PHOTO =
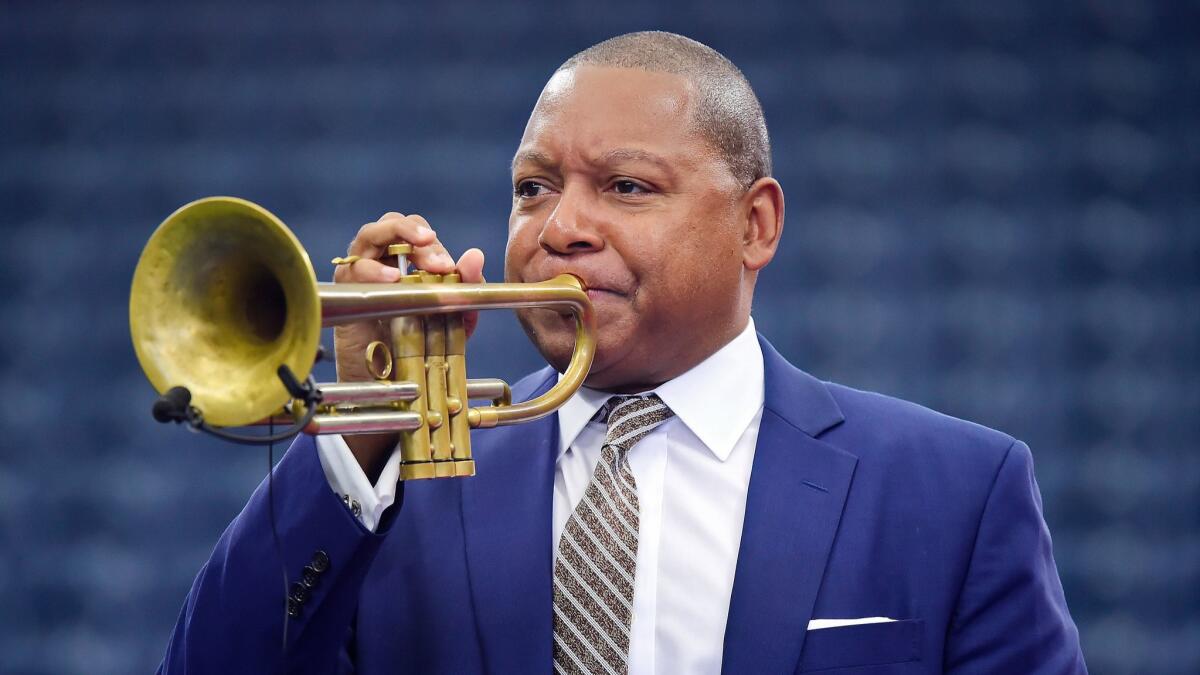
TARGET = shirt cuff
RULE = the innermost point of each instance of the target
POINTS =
(349, 481)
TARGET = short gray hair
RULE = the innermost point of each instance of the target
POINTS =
(727, 112)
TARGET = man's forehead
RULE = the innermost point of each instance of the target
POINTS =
(605, 115)
(588, 87)
(558, 85)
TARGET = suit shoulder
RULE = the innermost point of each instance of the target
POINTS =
(882, 427)
(532, 384)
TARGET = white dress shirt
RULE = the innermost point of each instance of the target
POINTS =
(692, 474)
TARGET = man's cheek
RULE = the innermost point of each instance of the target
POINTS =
(612, 307)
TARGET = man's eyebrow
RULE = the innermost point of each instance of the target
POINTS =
(611, 157)
(633, 155)
(531, 156)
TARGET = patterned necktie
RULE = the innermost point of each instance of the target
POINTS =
(597, 553)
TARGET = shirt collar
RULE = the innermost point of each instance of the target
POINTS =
(717, 399)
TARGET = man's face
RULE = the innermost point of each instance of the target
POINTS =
(613, 184)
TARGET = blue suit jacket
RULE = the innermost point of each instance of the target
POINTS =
(859, 505)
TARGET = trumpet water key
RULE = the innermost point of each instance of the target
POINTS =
(226, 315)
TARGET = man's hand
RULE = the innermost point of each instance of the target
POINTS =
(350, 341)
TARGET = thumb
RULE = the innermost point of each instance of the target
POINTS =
(470, 266)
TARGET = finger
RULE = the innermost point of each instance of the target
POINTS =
(365, 271)
(470, 266)
(374, 237)
(470, 322)
(432, 256)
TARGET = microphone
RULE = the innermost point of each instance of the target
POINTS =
(173, 406)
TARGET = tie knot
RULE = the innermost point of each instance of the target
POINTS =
(632, 417)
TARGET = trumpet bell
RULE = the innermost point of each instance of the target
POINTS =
(222, 295)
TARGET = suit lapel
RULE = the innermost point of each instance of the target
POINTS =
(507, 510)
(798, 486)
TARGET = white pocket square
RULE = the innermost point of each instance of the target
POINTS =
(818, 624)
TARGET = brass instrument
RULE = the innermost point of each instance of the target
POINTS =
(225, 305)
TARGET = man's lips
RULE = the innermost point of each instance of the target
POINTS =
(599, 298)
(595, 294)
(599, 288)
(600, 285)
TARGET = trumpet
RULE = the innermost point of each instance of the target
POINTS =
(226, 313)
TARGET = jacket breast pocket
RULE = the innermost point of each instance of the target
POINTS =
(870, 644)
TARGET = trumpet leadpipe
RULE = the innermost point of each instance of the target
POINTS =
(349, 303)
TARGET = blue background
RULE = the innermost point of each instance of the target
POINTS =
(992, 210)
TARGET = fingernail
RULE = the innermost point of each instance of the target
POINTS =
(424, 231)
(391, 273)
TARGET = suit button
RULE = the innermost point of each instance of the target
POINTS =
(299, 593)
(293, 608)
(309, 576)
(320, 561)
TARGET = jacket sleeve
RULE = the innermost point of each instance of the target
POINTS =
(240, 607)
(1011, 615)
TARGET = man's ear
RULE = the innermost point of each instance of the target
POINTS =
(763, 224)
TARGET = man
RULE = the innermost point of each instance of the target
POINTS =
(701, 506)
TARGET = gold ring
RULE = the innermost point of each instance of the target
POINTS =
(348, 260)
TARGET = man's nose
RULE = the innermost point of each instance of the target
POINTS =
(571, 225)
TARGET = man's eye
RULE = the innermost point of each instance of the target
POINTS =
(628, 187)
(528, 188)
